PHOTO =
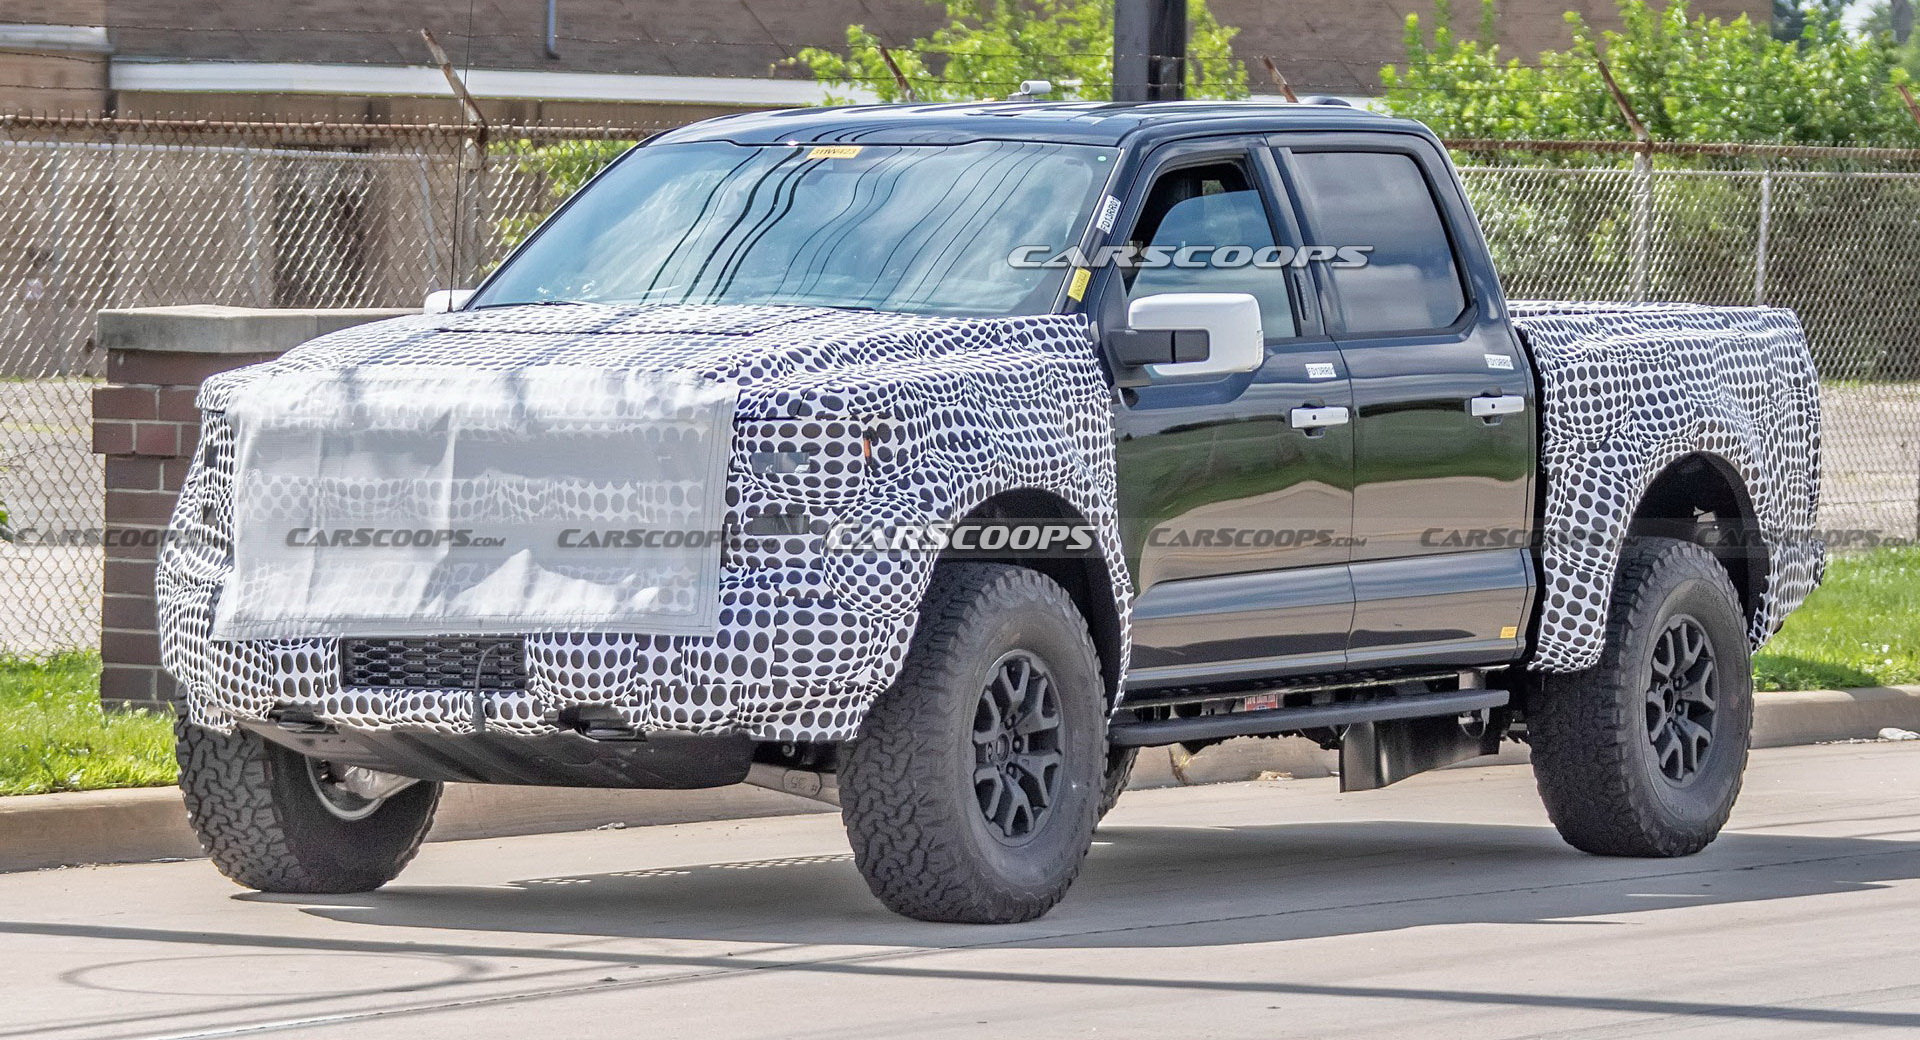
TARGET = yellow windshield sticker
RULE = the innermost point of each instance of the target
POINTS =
(1078, 287)
(834, 151)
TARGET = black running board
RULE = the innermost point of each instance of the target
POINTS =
(1285, 720)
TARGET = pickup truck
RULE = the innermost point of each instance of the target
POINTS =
(955, 453)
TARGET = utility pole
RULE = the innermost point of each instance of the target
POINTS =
(1149, 50)
(1902, 12)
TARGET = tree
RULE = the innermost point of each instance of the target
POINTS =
(1689, 79)
(562, 168)
(1790, 19)
(988, 47)
(1562, 229)
(1895, 18)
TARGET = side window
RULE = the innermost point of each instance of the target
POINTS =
(1380, 199)
(1214, 206)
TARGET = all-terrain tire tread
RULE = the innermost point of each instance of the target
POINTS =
(1584, 733)
(897, 828)
(231, 805)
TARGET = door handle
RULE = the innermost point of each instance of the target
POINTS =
(1487, 407)
(1317, 418)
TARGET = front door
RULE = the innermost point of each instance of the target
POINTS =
(1236, 519)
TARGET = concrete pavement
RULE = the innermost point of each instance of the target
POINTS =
(1442, 907)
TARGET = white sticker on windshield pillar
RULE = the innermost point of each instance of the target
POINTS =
(1499, 361)
(1109, 209)
(1320, 370)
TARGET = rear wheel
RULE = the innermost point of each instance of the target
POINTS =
(274, 820)
(973, 790)
(1642, 754)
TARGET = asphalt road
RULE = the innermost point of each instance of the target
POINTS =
(1444, 907)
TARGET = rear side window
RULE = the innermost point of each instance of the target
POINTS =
(1380, 199)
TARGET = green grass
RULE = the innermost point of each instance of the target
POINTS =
(1861, 627)
(54, 737)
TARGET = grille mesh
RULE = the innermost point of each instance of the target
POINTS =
(449, 663)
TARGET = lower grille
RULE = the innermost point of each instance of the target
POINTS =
(448, 663)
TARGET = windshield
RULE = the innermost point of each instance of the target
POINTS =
(913, 228)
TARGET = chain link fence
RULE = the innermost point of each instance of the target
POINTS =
(96, 214)
(1833, 235)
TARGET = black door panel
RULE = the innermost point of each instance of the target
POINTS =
(1454, 609)
(1430, 476)
(1264, 623)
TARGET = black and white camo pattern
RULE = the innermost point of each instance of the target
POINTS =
(1626, 390)
(923, 419)
(906, 419)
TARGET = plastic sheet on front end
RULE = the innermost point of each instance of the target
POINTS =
(405, 500)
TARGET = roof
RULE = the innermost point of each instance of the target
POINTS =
(1094, 123)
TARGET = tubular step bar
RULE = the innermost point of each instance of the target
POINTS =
(1282, 720)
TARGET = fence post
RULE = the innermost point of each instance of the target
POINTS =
(1642, 186)
(1766, 233)
(256, 256)
(470, 228)
(1642, 223)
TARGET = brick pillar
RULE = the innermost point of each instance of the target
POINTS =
(145, 423)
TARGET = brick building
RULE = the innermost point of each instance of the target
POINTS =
(626, 61)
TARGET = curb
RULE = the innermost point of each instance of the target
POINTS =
(145, 824)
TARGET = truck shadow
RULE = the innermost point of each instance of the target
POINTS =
(1152, 886)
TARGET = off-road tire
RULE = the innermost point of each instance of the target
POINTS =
(1119, 774)
(1593, 758)
(920, 834)
(264, 826)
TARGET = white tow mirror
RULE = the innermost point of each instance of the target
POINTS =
(446, 301)
(1235, 341)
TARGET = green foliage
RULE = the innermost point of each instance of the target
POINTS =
(1790, 20)
(564, 167)
(1860, 628)
(55, 737)
(988, 47)
(1690, 79)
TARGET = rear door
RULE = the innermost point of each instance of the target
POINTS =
(1443, 403)
(1236, 521)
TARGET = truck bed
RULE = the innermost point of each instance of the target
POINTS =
(1628, 389)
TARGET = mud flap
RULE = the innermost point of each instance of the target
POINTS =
(1375, 754)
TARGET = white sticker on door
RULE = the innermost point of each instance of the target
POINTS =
(1319, 370)
(1499, 361)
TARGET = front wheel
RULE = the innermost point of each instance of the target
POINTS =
(972, 792)
(274, 820)
(1642, 754)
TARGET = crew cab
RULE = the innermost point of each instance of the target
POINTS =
(957, 452)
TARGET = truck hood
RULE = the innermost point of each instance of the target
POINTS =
(785, 361)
